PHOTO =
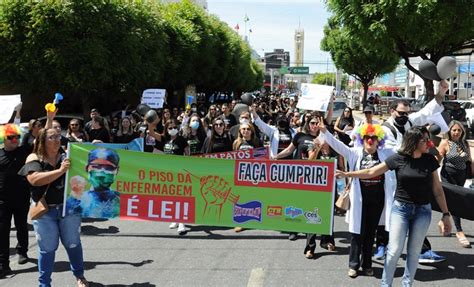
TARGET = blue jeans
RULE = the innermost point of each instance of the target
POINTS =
(405, 219)
(49, 228)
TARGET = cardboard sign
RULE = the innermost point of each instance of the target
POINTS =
(315, 97)
(7, 105)
(154, 98)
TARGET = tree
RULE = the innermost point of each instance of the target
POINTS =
(329, 79)
(355, 57)
(412, 28)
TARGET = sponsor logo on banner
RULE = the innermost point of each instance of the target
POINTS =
(244, 212)
(274, 211)
(306, 175)
(293, 212)
(313, 217)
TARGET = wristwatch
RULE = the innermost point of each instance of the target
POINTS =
(446, 214)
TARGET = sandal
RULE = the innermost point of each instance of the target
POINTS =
(331, 247)
(463, 240)
(309, 254)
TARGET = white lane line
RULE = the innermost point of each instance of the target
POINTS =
(257, 275)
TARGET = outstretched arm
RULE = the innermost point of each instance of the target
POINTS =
(364, 173)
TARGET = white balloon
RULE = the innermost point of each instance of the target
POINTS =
(446, 67)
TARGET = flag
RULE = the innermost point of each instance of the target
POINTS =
(246, 18)
(237, 27)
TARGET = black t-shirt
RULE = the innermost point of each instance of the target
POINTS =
(195, 144)
(220, 144)
(175, 146)
(151, 142)
(375, 183)
(55, 191)
(229, 121)
(303, 143)
(101, 134)
(125, 138)
(284, 141)
(12, 185)
(414, 177)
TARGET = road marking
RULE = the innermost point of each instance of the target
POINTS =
(256, 277)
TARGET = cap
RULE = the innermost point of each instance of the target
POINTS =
(103, 156)
(369, 109)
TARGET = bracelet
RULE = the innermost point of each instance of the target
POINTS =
(446, 214)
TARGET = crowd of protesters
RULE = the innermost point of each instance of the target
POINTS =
(380, 152)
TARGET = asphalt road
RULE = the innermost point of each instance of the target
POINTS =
(130, 253)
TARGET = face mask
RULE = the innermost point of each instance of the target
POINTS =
(101, 180)
(401, 120)
(193, 110)
(244, 121)
(173, 132)
(194, 125)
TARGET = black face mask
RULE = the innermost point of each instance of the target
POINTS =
(401, 120)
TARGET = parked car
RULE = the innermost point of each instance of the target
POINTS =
(456, 110)
(64, 120)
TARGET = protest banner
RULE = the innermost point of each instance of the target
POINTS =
(7, 105)
(315, 97)
(254, 153)
(154, 98)
(282, 195)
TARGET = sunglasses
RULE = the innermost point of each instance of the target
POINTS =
(374, 138)
(402, 113)
(219, 124)
(313, 123)
(212, 109)
(10, 138)
(171, 128)
(245, 129)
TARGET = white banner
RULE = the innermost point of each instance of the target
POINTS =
(7, 105)
(154, 98)
(315, 97)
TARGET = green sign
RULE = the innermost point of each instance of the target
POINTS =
(299, 70)
(261, 194)
(283, 70)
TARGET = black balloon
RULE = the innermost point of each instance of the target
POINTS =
(247, 99)
(429, 70)
(151, 116)
(240, 108)
(142, 109)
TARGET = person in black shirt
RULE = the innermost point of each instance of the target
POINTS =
(417, 177)
(219, 140)
(246, 139)
(194, 134)
(14, 197)
(98, 130)
(28, 139)
(125, 133)
(229, 118)
(173, 143)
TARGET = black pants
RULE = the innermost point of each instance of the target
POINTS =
(381, 237)
(311, 241)
(360, 253)
(457, 177)
(19, 211)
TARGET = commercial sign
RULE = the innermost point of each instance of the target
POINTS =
(299, 70)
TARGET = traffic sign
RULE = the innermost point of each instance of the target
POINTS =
(299, 70)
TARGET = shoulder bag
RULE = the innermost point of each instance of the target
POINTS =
(38, 209)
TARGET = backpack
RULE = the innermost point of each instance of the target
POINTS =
(392, 128)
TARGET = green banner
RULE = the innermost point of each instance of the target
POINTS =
(260, 194)
(299, 70)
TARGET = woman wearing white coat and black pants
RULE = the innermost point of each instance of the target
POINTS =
(370, 199)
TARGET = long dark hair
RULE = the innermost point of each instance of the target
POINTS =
(40, 143)
(350, 118)
(214, 133)
(411, 138)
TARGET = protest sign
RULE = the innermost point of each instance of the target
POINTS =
(315, 97)
(254, 153)
(7, 105)
(154, 98)
(282, 195)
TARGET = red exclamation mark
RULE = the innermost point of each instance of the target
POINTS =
(186, 207)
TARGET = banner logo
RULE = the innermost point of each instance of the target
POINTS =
(293, 212)
(244, 212)
(313, 217)
(274, 211)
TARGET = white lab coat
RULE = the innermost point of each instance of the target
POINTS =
(354, 156)
(273, 133)
(419, 118)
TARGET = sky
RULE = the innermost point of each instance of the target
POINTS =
(273, 24)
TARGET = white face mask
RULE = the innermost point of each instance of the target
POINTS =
(173, 132)
(193, 110)
(244, 121)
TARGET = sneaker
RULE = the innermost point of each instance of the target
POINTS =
(331, 247)
(182, 229)
(82, 282)
(352, 273)
(309, 254)
(293, 236)
(22, 259)
(430, 257)
(368, 272)
(173, 225)
(380, 253)
(4, 272)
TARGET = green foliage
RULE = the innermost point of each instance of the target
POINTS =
(412, 28)
(329, 79)
(357, 58)
(107, 51)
